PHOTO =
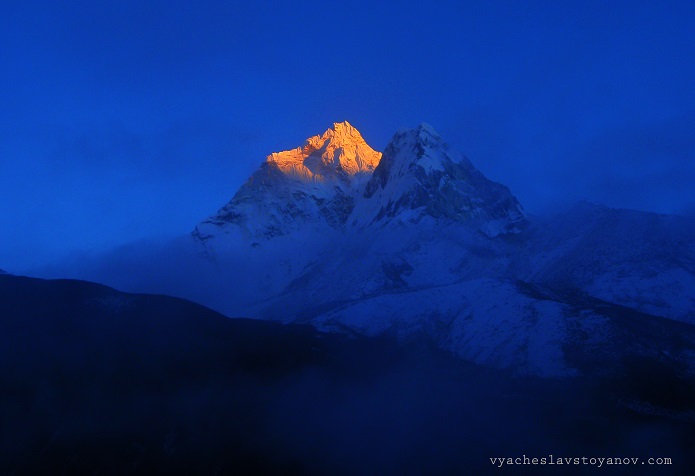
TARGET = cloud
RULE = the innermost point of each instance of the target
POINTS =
(649, 168)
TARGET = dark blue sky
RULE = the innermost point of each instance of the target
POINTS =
(138, 119)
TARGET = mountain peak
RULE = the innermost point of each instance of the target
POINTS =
(420, 176)
(345, 130)
(311, 186)
(339, 150)
(426, 128)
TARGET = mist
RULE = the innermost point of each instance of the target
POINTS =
(236, 279)
(158, 384)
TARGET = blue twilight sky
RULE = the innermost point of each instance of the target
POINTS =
(133, 119)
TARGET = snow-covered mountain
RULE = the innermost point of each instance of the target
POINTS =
(311, 204)
(420, 176)
(338, 181)
(417, 243)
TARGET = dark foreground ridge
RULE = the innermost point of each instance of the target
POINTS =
(100, 382)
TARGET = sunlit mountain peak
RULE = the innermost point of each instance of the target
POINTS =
(340, 150)
(336, 181)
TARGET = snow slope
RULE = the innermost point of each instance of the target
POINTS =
(645, 261)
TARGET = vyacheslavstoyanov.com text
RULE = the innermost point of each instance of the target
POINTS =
(580, 460)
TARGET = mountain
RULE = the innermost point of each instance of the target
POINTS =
(338, 181)
(336, 194)
(98, 381)
(426, 249)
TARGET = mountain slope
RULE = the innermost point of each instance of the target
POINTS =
(467, 306)
(101, 382)
(644, 261)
